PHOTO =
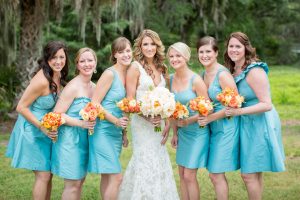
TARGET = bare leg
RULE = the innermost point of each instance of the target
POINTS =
(112, 190)
(49, 188)
(220, 184)
(103, 184)
(41, 185)
(72, 190)
(183, 187)
(190, 179)
(254, 185)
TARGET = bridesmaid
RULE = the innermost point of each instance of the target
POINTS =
(224, 139)
(70, 152)
(260, 129)
(190, 140)
(30, 144)
(106, 142)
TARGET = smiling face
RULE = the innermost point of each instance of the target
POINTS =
(176, 59)
(207, 56)
(58, 61)
(86, 63)
(124, 56)
(148, 47)
(236, 51)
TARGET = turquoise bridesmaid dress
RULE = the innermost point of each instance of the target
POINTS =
(260, 134)
(193, 141)
(70, 153)
(224, 135)
(105, 144)
(29, 147)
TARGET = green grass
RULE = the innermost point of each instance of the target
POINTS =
(17, 183)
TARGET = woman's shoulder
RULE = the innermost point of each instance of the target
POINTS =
(253, 67)
(40, 80)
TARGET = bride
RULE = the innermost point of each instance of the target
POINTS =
(149, 173)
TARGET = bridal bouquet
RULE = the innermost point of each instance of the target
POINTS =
(158, 102)
(90, 113)
(202, 105)
(230, 98)
(51, 121)
(180, 112)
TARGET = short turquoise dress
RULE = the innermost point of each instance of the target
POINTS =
(193, 141)
(105, 144)
(29, 147)
(260, 134)
(224, 135)
(70, 153)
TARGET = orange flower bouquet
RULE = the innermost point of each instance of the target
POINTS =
(202, 105)
(230, 98)
(51, 121)
(90, 113)
(180, 112)
(129, 106)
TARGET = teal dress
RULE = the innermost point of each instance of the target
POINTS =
(29, 147)
(105, 144)
(71, 151)
(193, 141)
(260, 134)
(224, 139)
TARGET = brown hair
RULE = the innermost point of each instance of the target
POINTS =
(208, 40)
(250, 52)
(119, 44)
(159, 57)
(81, 51)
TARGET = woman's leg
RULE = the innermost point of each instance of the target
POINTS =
(72, 189)
(183, 188)
(220, 184)
(41, 185)
(112, 190)
(254, 185)
(103, 184)
(190, 179)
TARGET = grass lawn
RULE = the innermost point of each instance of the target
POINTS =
(17, 183)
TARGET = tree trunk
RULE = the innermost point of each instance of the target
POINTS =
(31, 26)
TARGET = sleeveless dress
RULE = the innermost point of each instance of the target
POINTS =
(193, 141)
(224, 138)
(29, 147)
(71, 150)
(260, 134)
(149, 172)
(105, 144)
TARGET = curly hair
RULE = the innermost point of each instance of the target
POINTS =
(49, 52)
(159, 56)
(250, 52)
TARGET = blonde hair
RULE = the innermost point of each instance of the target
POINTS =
(81, 51)
(183, 49)
(159, 56)
(119, 44)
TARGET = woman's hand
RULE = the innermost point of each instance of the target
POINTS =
(174, 141)
(51, 134)
(87, 124)
(203, 121)
(154, 120)
(183, 122)
(165, 133)
(230, 112)
(122, 122)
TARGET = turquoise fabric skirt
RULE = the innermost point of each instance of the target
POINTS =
(261, 145)
(105, 147)
(70, 153)
(224, 146)
(192, 148)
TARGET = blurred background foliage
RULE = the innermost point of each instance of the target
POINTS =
(27, 25)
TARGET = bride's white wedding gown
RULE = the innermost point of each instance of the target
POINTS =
(149, 174)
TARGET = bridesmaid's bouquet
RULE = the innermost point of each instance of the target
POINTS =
(180, 112)
(202, 105)
(90, 113)
(158, 102)
(129, 106)
(51, 121)
(230, 98)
